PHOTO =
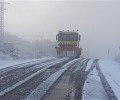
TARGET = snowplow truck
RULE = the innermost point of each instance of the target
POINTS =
(68, 44)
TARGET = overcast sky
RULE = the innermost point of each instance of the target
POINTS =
(98, 22)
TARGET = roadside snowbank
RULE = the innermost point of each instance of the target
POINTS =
(111, 70)
(2, 62)
(8, 63)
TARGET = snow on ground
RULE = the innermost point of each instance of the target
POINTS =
(31, 76)
(2, 62)
(43, 87)
(89, 64)
(93, 89)
(8, 63)
(111, 70)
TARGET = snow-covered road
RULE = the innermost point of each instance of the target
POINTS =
(111, 70)
(42, 67)
(103, 83)
(98, 79)
(93, 89)
(42, 88)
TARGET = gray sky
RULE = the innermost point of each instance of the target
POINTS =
(98, 22)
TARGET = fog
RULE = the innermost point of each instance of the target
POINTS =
(98, 23)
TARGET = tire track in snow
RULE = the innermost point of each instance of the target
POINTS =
(40, 91)
(26, 79)
(110, 93)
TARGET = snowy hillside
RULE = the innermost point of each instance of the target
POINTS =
(17, 48)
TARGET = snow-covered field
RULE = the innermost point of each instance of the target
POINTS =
(3, 62)
(8, 63)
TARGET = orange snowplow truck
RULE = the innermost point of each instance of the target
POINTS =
(68, 44)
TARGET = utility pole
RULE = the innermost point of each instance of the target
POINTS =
(2, 18)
